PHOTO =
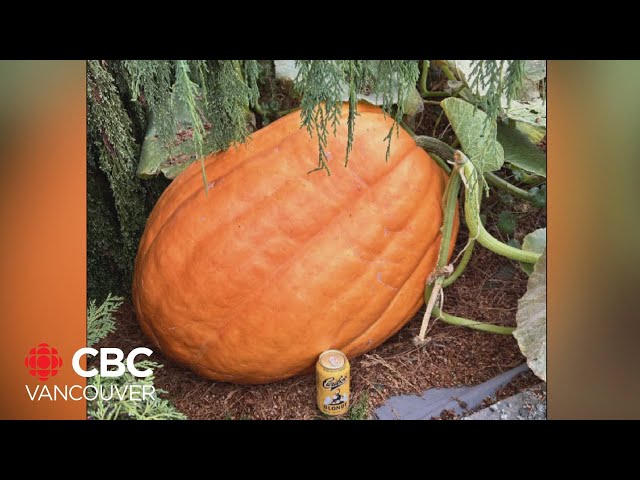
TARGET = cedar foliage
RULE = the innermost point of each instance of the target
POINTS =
(100, 323)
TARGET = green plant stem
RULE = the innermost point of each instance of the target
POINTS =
(441, 163)
(466, 257)
(464, 322)
(435, 127)
(472, 203)
(433, 287)
(423, 77)
(495, 181)
(450, 205)
(424, 92)
(477, 230)
(446, 70)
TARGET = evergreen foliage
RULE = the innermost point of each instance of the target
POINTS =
(150, 84)
(100, 322)
(154, 408)
(499, 78)
(110, 141)
(325, 84)
(106, 261)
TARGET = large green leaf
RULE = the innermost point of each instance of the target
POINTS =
(477, 134)
(535, 133)
(520, 151)
(531, 332)
(535, 241)
(533, 112)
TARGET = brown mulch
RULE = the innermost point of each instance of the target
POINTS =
(433, 122)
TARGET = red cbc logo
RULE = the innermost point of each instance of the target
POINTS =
(43, 362)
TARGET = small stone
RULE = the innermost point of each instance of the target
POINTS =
(520, 417)
(541, 407)
(504, 416)
(523, 411)
(494, 408)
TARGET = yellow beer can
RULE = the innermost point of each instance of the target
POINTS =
(332, 382)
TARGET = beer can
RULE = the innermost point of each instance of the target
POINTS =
(332, 382)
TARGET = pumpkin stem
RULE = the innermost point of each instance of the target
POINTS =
(436, 148)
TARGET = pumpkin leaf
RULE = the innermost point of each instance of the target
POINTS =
(535, 133)
(531, 332)
(539, 199)
(513, 242)
(535, 241)
(535, 70)
(533, 112)
(476, 133)
(520, 151)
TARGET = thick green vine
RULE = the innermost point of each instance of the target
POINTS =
(473, 324)
(460, 268)
(473, 197)
(434, 283)
(477, 231)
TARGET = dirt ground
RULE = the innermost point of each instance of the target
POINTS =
(488, 291)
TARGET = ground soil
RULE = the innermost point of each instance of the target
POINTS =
(488, 291)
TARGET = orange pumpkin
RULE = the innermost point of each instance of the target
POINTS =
(251, 282)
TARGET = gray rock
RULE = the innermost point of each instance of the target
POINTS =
(527, 405)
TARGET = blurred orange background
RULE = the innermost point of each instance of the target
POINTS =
(42, 229)
(593, 256)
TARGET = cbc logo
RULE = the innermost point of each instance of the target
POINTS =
(44, 361)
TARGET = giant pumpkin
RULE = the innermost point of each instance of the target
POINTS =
(250, 282)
